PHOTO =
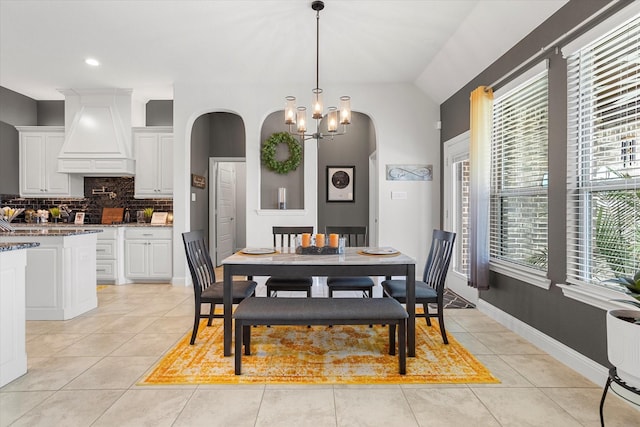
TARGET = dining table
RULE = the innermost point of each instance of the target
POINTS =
(285, 262)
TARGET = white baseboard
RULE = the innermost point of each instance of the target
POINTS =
(566, 355)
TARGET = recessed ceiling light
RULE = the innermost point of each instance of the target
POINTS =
(92, 61)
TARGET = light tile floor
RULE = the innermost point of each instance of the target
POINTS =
(82, 372)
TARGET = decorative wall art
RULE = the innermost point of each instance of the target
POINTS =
(341, 183)
(198, 181)
(409, 172)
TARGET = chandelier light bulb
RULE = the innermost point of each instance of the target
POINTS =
(290, 110)
(332, 117)
(317, 104)
(302, 120)
(345, 110)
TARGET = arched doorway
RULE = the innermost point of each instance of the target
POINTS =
(218, 138)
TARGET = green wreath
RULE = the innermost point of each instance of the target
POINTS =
(269, 153)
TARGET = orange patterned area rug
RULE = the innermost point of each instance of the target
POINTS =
(318, 355)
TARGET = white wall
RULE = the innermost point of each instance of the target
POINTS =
(404, 121)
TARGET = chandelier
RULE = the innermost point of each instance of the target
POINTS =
(297, 116)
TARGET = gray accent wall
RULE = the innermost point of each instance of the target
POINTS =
(577, 325)
(271, 181)
(159, 113)
(50, 113)
(9, 170)
(200, 143)
(352, 149)
(15, 110)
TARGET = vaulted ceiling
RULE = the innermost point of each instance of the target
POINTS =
(439, 45)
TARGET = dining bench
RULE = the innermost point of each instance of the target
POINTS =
(320, 311)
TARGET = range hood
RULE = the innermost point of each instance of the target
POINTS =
(97, 133)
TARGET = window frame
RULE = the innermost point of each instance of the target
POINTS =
(581, 183)
(504, 266)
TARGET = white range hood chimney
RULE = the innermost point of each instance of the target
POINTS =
(97, 132)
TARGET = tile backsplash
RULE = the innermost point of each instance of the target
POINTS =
(119, 194)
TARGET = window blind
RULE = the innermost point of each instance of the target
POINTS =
(519, 167)
(603, 223)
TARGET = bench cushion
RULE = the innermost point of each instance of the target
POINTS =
(299, 310)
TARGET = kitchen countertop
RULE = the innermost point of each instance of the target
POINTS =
(6, 247)
(45, 232)
(83, 226)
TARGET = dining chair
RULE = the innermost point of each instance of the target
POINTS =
(354, 236)
(285, 237)
(431, 288)
(205, 288)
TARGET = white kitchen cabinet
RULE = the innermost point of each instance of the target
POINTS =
(148, 253)
(109, 256)
(153, 148)
(39, 176)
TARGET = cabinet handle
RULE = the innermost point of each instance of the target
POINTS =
(101, 250)
(148, 234)
(101, 269)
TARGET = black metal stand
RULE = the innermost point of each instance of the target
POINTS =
(613, 377)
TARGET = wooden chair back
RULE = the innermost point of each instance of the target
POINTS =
(437, 265)
(282, 235)
(202, 271)
(355, 235)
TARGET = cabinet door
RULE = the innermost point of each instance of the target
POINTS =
(146, 154)
(39, 175)
(160, 259)
(135, 258)
(165, 178)
(56, 184)
(32, 165)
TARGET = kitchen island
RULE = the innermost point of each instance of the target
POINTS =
(13, 355)
(60, 272)
(125, 253)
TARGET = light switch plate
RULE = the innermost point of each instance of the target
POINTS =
(193, 197)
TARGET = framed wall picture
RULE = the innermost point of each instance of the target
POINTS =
(409, 172)
(79, 218)
(341, 183)
(198, 181)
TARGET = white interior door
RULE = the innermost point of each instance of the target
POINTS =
(226, 211)
(456, 212)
